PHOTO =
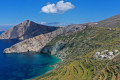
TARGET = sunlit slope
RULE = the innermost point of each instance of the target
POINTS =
(79, 50)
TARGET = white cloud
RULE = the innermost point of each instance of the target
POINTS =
(43, 23)
(60, 7)
(53, 23)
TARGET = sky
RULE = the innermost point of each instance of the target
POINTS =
(56, 12)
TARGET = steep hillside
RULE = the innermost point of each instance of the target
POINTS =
(25, 30)
(77, 51)
(35, 44)
(110, 22)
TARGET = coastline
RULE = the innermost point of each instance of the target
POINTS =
(53, 66)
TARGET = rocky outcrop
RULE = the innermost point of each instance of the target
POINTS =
(25, 30)
(53, 49)
(35, 44)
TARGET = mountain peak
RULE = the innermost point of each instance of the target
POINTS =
(28, 22)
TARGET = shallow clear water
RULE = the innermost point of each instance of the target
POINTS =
(23, 66)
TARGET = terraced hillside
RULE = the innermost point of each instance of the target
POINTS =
(77, 51)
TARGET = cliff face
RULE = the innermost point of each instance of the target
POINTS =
(25, 30)
(35, 44)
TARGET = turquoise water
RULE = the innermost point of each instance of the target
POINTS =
(23, 66)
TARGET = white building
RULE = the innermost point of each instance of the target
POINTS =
(98, 53)
(115, 51)
(104, 51)
(110, 53)
(102, 56)
(106, 56)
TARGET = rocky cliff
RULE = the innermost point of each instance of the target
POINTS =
(25, 30)
(35, 44)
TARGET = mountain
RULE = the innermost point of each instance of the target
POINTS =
(110, 22)
(25, 30)
(35, 44)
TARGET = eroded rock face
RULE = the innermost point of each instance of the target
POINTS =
(35, 44)
(53, 49)
(25, 30)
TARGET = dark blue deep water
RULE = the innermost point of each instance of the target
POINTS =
(23, 66)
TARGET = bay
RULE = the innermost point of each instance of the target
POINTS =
(23, 66)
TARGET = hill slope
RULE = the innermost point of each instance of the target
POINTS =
(77, 51)
(25, 30)
(110, 22)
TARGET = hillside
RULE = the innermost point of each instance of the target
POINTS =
(110, 22)
(77, 51)
(25, 30)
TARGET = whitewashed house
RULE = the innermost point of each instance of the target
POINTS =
(110, 53)
(115, 51)
(106, 56)
(102, 56)
(104, 51)
(98, 53)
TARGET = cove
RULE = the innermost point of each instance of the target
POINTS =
(23, 66)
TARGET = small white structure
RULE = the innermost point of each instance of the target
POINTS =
(98, 53)
(104, 51)
(110, 53)
(105, 56)
(115, 51)
(102, 56)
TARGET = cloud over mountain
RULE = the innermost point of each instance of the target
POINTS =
(53, 23)
(60, 7)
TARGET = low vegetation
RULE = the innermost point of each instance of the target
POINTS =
(78, 55)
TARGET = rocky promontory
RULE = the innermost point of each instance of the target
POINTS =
(35, 44)
(26, 29)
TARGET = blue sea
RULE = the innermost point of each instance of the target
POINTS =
(23, 66)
